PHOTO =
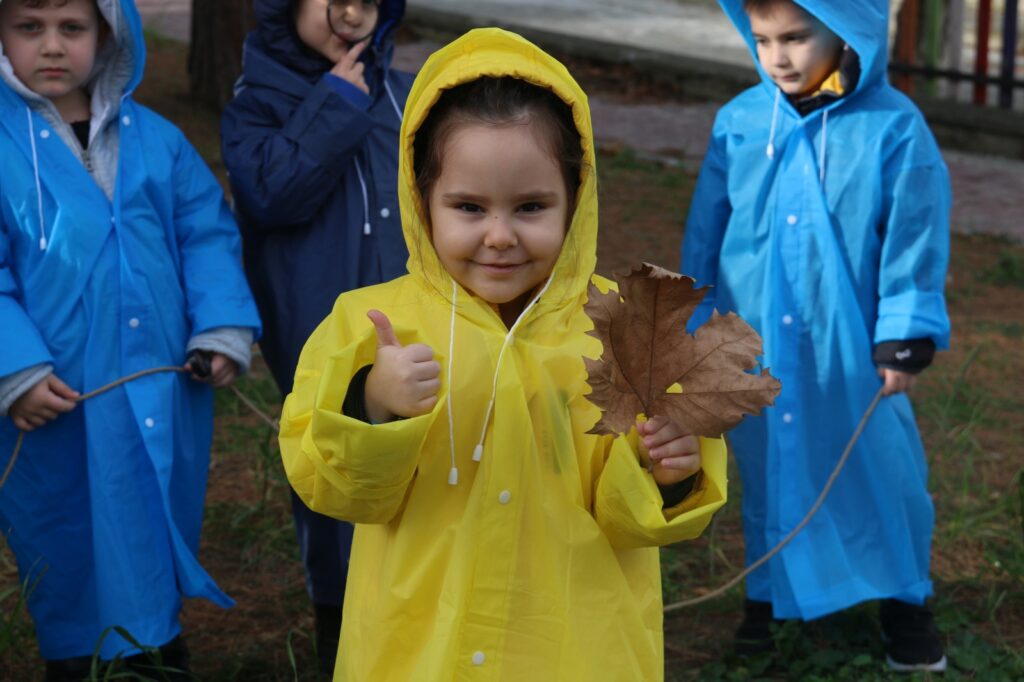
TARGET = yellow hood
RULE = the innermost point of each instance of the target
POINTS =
(496, 53)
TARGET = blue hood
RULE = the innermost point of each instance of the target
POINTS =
(862, 24)
(275, 36)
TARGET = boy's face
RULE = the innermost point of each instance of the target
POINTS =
(498, 212)
(796, 50)
(52, 48)
(350, 22)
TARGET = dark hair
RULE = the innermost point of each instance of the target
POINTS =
(764, 6)
(497, 101)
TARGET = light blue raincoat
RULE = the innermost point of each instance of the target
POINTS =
(829, 234)
(103, 275)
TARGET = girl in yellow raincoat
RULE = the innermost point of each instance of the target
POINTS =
(445, 412)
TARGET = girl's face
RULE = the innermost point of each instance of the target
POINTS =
(350, 22)
(498, 212)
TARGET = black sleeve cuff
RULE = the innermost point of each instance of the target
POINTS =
(354, 405)
(671, 495)
(910, 356)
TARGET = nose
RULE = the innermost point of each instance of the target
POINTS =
(52, 43)
(354, 14)
(778, 55)
(500, 234)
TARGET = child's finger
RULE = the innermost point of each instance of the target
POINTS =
(677, 447)
(353, 52)
(385, 333)
(22, 424)
(57, 404)
(61, 389)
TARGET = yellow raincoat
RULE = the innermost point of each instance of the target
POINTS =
(541, 563)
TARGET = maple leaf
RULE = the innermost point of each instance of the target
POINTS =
(647, 350)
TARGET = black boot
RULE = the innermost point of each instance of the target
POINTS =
(754, 635)
(328, 632)
(172, 664)
(69, 669)
(911, 639)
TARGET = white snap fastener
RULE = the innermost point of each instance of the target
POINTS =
(127, 120)
(133, 323)
(44, 134)
(385, 213)
(788, 418)
(478, 658)
(113, 220)
(791, 220)
(150, 423)
(787, 319)
(504, 497)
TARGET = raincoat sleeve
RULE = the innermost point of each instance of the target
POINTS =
(705, 226)
(628, 505)
(211, 253)
(22, 344)
(915, 246)
(283, 174)
(338, 465)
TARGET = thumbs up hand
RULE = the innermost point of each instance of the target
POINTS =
(404, 380)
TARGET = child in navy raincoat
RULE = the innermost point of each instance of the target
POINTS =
(311, 145)
(821, 217)
(117, 254)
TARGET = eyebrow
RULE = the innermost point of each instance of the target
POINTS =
(534, 195)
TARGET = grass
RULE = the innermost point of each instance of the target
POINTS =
(968, 405)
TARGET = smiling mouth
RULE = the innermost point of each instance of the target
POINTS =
(500, 267)
(53, 72)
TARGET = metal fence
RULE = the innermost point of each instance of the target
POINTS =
(968, 50)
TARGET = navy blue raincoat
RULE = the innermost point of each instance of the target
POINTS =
(103, 506)
(829, 233)
(314, 177)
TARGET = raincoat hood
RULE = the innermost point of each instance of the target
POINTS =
(497, 53)
(276, 37)
(119, 64)
(862, 24)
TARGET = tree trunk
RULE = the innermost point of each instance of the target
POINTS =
(215, 52)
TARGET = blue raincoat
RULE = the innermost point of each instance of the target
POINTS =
(829, 234)
(103, 507)
(314, 177)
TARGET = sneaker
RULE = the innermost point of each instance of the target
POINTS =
(754, 635)
(912, 641)
(69, 669)
(172, 664)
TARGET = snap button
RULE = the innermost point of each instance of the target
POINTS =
(44, 134)
(113, 220)
(133, 323)
(385, 213)
(504, 497)
(791, 220)
(788, 418)
(127, 120)
(150, 423)
(478, 658)
(787, 319)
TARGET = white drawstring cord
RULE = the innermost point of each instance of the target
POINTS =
(821, 153)
(366, 200)
(478, 451)
(770, 149)
(39, 185)
(394, 102)
(453, 474)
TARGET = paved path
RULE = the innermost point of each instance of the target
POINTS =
(988, 191)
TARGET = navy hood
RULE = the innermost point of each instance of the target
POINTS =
(861, 24)
(276, 37)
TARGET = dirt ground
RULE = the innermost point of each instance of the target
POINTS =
(969, 407)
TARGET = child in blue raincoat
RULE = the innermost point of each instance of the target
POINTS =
(821, 215)
(117, 254)
(311, 145)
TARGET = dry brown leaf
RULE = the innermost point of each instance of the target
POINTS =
(647, 350)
